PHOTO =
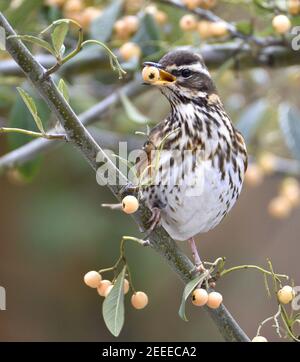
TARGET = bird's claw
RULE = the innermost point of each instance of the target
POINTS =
(154, 220)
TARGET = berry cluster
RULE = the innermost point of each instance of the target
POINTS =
(93, 279)
(206, 29)
(77, 10)
(200, 297)
(288, 197)
(128, 25)
(84, 12)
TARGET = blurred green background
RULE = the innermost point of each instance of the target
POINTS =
(53, 228)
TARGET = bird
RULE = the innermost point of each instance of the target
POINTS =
(192, 165)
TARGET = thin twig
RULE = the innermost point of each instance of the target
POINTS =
(275, 319)
(240, 267)
(48, 136)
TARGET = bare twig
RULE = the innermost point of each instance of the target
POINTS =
(82, 140)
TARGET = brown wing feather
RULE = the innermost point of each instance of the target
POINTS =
(153, 142)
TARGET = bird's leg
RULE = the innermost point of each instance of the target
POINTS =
(196, 257)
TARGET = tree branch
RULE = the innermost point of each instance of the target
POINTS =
(31, 149)
(82, 140)
(232, 30)
(203, 14)
(273, 53)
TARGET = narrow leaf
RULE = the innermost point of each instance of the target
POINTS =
(148, 35)
(21, 117)
(251, 118)
(131, 111)
(22, 14)
(63, 89)
(289, 121)
(187, 291)
(113, 306)
(40, 42)
(27, 100)
(58, 36)
(102, 26)
(32, 108)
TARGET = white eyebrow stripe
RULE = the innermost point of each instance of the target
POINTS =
(197, 67)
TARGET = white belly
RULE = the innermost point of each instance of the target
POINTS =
(196, 204)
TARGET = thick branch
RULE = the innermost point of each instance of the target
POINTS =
(83, 141)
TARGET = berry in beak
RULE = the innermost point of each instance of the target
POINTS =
(154, 74)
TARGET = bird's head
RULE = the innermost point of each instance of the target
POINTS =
(183, 75)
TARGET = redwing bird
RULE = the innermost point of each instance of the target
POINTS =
(194, 163)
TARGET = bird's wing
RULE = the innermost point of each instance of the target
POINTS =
(145, 160)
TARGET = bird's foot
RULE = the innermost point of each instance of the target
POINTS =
(154, 220)
(199, 265)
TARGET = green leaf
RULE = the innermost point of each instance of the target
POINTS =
(40, 42)
(4, 4)
(187, 291)
(32, 108)
(251, 118)
(245, 27)
(54, 24)
(58, 36)
(23, 13)
(30, 169)
(21, 117)
(289, 121)
(64, 89)
(148, 35)
(102, 27)
(113, 306)
(131, 111)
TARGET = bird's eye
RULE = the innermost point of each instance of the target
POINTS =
(186, 73)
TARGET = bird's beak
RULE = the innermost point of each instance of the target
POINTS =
(165, 78)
